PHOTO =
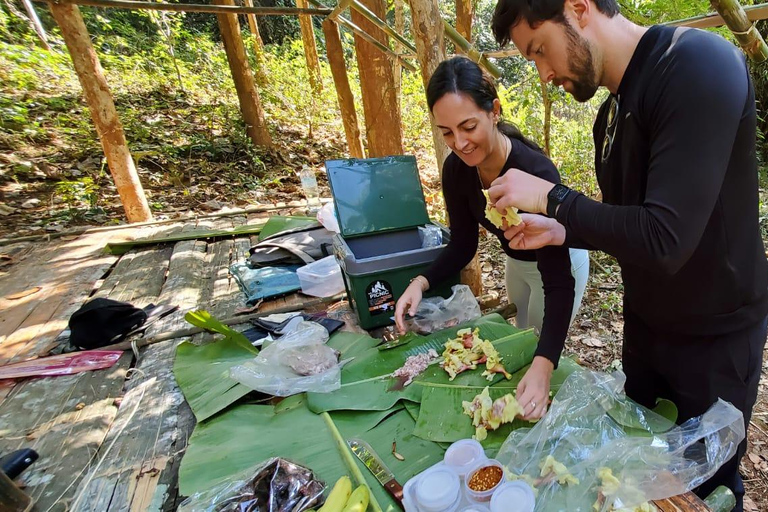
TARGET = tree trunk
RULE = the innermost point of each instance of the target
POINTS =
(472, 276)
(310, 48)
(99, 99)
(745, 32)
(465, 11)
(430, 46)
(338, 66)
(248, 96)
(35, 22)
(383, 124)
(258, 46)
(400, 28)
(547, 117)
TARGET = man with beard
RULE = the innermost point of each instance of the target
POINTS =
(675, 160)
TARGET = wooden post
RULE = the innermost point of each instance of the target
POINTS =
(310, 48)
(465, 11)
(427, 26)
(247, 94)
(335, 54)
(99, 99)
(36, 25)
(400, 29)
(383, 126)
(745, 32)
(258, 45)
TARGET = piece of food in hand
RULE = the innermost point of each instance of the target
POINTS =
(557, 470)
(413, 366)
(488, 414)
(467, 351)
(497, 218)
(338, 496)
(358, 500)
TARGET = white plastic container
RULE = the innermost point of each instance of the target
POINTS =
(438, 490)
(462, 455)
(514, 496)
(321, 278)
(482, 496)
(475, 507)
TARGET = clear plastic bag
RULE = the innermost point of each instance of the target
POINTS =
(586, 431)
(437, 313)
(297, 362)
(276, 485)
(327, 217)
(430, 235)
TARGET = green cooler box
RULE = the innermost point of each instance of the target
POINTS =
(380, 207)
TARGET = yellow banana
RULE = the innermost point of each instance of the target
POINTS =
(358, 501)
(338, 495)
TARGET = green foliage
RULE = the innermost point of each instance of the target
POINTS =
(76, 194)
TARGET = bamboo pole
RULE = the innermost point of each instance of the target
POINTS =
(335, 53)
(103, 112)
(258, 45)
(400, 28)
(398, 59)
(470, 50)
(370, 16)
(383, 123)
(36, 25)
(754, 13)
(182, 7)
(745, 32)
(429, 34)
(247, 94)
(310, 49)
(340, 8)
(465, 11)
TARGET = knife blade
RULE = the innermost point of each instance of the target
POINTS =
(376, 466)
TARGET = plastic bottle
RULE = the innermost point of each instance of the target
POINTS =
(309, 186)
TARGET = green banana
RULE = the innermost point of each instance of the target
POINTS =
(358, 501)
(338, 495)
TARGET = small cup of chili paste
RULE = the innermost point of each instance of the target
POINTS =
(483, 479)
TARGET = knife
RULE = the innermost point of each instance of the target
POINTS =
(376, 466)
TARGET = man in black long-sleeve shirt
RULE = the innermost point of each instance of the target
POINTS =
(675, 161)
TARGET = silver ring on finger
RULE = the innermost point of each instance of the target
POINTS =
(533, 404)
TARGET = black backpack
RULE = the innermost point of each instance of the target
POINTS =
(101, 322)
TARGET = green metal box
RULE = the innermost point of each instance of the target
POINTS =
(380, 206)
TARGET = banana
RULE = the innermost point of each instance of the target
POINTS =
(358, 501)
(338, 495)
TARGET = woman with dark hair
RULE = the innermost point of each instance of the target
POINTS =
(547, 284)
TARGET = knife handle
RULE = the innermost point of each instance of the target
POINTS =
(396, 490)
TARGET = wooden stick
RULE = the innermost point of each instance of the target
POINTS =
(221, 9)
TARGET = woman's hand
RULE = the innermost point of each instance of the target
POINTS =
(535, 232)
(533, 390)
(410, 300)
(519, 189)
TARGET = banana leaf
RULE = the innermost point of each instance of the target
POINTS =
(661, 419)
(247, 434)
(365, 381)
(202, 372)
(441, 417)
(119, 248)
(279, 223)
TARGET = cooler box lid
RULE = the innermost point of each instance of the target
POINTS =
(374, 195)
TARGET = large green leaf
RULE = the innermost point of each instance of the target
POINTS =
(202, 372)
(279, 223)
(248, 434)
(365, 380)
(441, 417)
(640, 422)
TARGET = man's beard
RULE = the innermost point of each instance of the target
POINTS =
(581, 65)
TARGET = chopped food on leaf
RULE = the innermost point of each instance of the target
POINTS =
(609, 486)
(557, 471)
(497, 218)
(467, 351)
(413, 366)
(490, 414)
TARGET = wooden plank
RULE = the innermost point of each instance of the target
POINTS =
(138, 277)
(64, 419)
(145, 444)
(687, 502)
(224, 295)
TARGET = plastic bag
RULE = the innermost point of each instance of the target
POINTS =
(437, 313)
(327, 217)
(297, 362)
(430, 235)
(586, 431)
(276, 485)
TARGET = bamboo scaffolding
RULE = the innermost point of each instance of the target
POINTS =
(470, 50)
(370, 16)
(742, 28)
(220, 9)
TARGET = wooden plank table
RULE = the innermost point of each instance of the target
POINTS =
(113, 439)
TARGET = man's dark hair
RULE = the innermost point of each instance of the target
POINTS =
(508, 13)
(461, 75)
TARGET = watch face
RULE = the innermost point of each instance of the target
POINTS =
(559, 192)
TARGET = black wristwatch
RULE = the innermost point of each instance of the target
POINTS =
(555, 197)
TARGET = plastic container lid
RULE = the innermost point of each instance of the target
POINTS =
(514, 496)
(476, 507)
(482, 495)
(438, 490)
(462, 455)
